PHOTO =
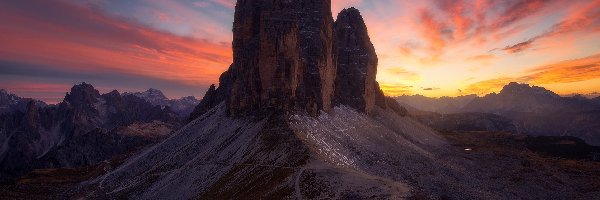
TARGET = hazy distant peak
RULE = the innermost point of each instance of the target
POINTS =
(114, 92)
(514, 88)
(82, 93)
(154, 96)
(182, 106)
(192, 98)
(154, 93)
(579, 96)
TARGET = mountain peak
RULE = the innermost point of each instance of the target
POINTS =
(355, 84)
(515, 88)
(154, 96)
(83, 93)
(155, 93)
(152, 90)
(350, 12)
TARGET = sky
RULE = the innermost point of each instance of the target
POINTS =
(430, 47)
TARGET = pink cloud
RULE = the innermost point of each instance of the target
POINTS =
(82, 39)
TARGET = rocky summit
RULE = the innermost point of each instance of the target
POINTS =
(355, 83)
(291, 55)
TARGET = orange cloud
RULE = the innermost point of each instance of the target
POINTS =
(482, 58)
(585, 16)
(488, 86)
(569, 71)
(48, 92)
(395, 89)
(433, 31)
(515, 11)
(83, 39)
(403, 74)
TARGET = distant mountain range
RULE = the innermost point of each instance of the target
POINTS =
(439, 105)
(85, 128)
(533, 110)
(10, 102)
(183, 106)
(522, 98)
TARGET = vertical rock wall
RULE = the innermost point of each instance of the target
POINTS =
(355, 83)
(290, 55)
(282, 56)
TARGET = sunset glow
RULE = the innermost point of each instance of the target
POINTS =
(435, 48)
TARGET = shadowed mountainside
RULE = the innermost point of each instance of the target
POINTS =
(84, 129)
(533, 110)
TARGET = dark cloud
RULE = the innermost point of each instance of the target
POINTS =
(519, 47)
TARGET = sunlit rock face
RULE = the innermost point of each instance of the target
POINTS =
(355, 84)
(283, 56)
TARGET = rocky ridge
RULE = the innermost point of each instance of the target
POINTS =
(516, 97)
(11, 102)
(443, 105)
(87, 127)
(182, 106)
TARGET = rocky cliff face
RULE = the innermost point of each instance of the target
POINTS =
(355, 83)
(282, 56)
(285, 58)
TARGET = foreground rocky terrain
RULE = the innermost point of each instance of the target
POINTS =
(502, 161)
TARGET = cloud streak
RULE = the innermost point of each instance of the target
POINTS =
(584, 17)
(71, 37)
(569, 71)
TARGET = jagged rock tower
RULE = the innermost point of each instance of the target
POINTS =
(285, 55)
(355, 84)
(282, 56)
